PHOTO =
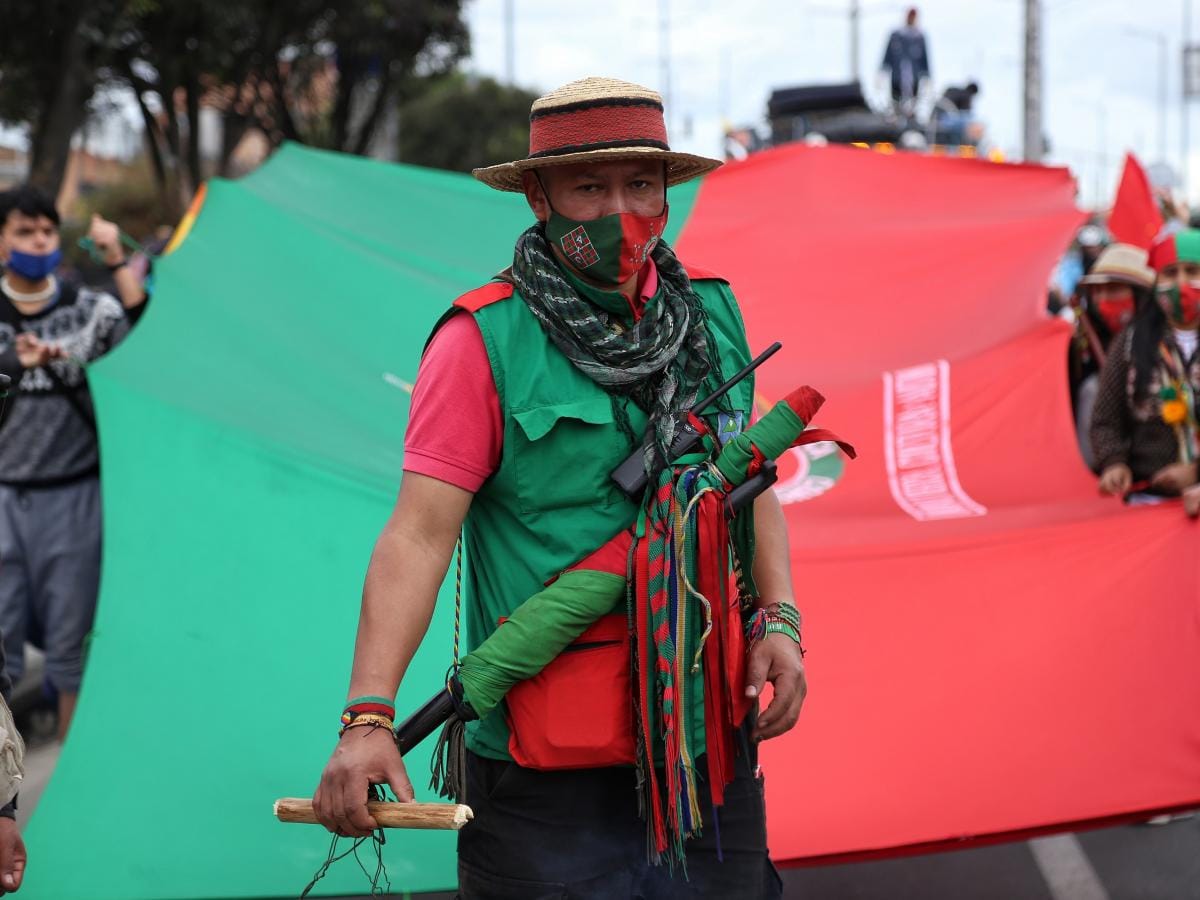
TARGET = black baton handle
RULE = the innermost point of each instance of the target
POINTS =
(749, 489)
(446, 704)
(424, 721)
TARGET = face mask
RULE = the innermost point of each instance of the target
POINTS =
(34, 266)
(1115, 312)
(1181, 303)
(609, 250)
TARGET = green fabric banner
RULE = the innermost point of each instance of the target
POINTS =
(251, 434)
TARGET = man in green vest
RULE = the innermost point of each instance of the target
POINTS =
(526, 400)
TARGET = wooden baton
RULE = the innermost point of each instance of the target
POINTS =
(444, 816)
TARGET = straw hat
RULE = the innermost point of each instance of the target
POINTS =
(596, 119)
(1121, 263)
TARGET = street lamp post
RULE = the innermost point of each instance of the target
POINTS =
(664, 57)
(1184, 97)
(1161, 39)
(510, 54)
(854, 64)
(1031, 107)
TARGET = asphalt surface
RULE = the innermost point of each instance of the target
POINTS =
(1133, 862)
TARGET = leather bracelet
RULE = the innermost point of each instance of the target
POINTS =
(368, 719)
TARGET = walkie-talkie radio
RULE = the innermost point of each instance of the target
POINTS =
(631, 476)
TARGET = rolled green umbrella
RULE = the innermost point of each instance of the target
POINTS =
(549, 621)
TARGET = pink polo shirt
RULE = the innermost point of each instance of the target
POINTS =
(455, 432)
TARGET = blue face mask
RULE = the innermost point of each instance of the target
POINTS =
(34, 266)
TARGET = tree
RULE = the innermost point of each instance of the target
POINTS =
(52, 53)
(462, 122)
(316, 72)
(322, 72)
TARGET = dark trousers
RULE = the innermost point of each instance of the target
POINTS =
(49, 575)
(576, 834)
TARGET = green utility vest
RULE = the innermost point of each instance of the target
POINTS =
(551, 502)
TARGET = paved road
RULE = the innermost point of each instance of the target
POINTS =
(1135, 862)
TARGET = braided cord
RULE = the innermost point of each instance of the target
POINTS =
(458, 567)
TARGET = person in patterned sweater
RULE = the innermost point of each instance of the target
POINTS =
(1144, 426)
(49, 458)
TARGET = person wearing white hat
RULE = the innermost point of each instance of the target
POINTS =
(1108, 297)
(531, 391)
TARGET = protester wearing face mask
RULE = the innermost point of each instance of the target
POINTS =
(531, 390)
(1144, 426)
(1118, 285)
(49, 459)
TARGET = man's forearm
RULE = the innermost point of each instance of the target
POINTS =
(407, 568)
(772, 561)
(396, 611)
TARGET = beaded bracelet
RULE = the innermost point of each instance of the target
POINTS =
(368, 705)
(785, 611)
(778, 618)
(777, 626)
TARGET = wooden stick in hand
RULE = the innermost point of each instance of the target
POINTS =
(445, 816)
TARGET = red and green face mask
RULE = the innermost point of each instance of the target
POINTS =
(609, 250)
(1181, 303)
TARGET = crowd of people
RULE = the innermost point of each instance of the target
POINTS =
(1134, 369)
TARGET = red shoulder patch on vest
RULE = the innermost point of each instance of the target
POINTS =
(695, 273)
(473, 301)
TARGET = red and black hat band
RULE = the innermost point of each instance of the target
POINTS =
(600, 145)
(587, 125)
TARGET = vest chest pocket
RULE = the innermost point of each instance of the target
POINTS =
(563, 454)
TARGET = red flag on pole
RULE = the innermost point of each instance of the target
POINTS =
(1135, 218)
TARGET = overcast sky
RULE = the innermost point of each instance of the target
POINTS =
(1101, 81)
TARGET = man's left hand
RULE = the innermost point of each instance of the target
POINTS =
(12, 856)
(107, 238)
(776, 658)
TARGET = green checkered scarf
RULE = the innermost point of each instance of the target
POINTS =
(661, 361)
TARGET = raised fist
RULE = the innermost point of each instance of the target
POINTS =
(107, 238)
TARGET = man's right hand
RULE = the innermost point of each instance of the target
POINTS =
(1116, 480)
(363, 757)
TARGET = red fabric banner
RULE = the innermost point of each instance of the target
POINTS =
(994, 648)
(1135, 217)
